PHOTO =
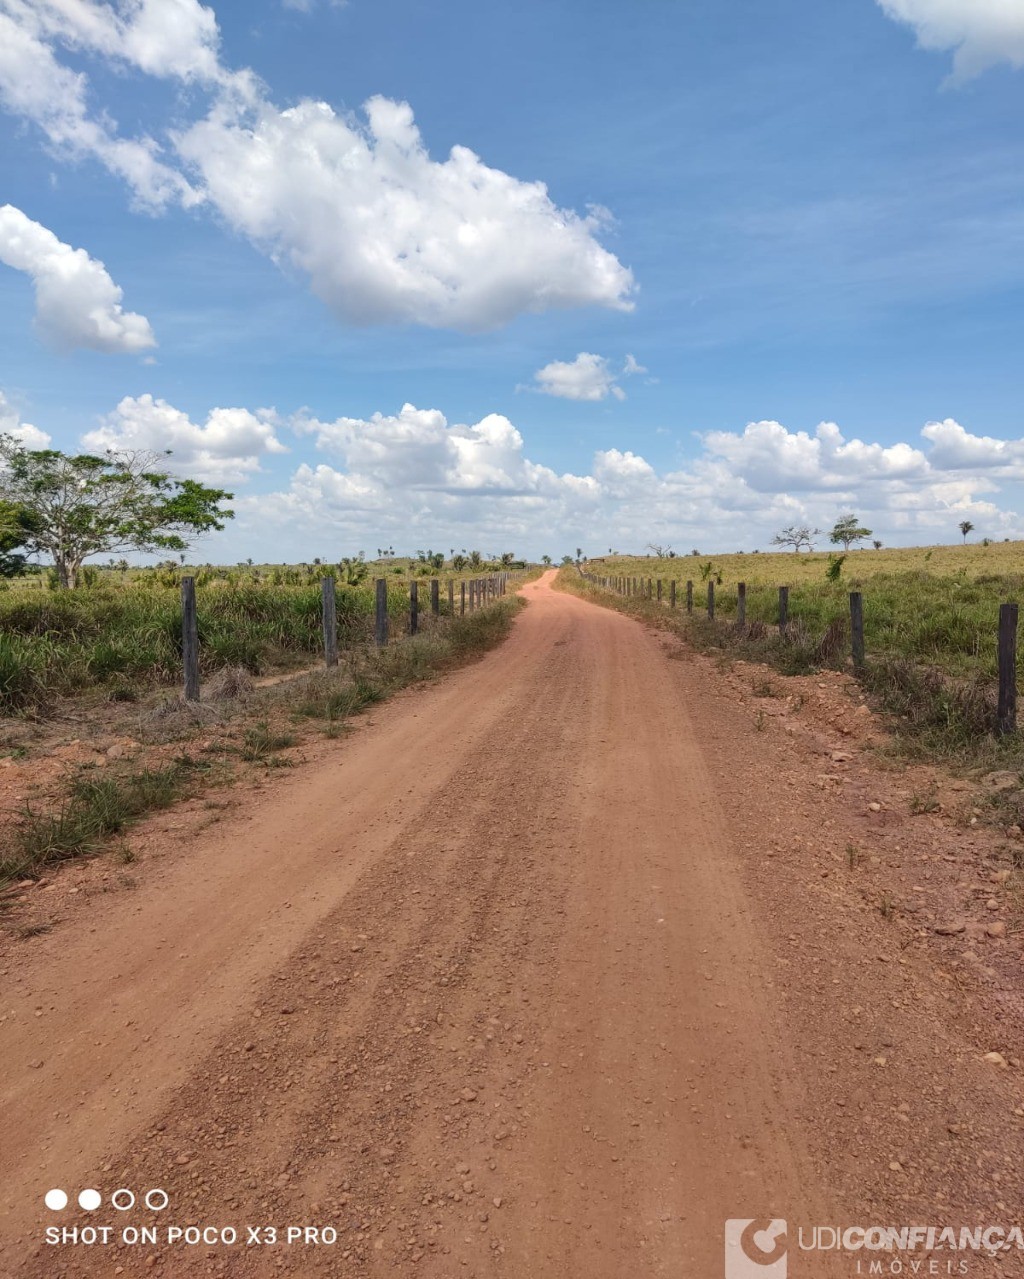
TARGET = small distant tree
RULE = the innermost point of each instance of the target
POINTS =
(475, 559)
(799, 536)
(662, 552)
(847, 531)
(877, 544)
(353, 569)
(545, 559)
(966, 527)
(458, 563)
(507, 559)
(83, 505)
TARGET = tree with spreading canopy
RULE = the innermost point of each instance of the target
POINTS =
(798, 536)
(966, 527)
(77, 505)
(847, 531)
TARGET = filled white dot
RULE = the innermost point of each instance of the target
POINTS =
(56, 1200)
(90, 1200)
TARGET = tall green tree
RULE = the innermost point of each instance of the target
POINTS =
(847, 531)
(15, 529)
(82, 505)
(966, 527)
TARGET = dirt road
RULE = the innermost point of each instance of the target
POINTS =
(489, 988)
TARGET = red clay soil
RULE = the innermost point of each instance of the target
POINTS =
(546, 971)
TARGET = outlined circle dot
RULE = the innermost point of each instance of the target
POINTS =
(55, 1200)
(157, 1207)
(118, 1199)
(90, 1200)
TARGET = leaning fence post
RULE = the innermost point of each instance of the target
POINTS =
(711, 601)
(672, 593)
(741, 604)
(783, 609)
(414, 607)
(381, 619)
(1007, 714)
(462, 596)
(330, 621)
(689, 597)
(190, 638)
(857, 629)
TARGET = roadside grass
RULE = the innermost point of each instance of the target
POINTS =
(94, 808)
(124, 635)
(938, 606)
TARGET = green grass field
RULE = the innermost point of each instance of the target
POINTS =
(937, 605)
(121, 634)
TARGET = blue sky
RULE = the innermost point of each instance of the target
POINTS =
(759, 218)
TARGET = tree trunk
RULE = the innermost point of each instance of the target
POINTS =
(67, 572)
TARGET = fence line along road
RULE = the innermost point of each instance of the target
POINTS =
(1006, 641)
(482, 590)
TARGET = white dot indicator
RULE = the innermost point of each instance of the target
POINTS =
(90, 1200)
(55, 1200)
(122, 1199)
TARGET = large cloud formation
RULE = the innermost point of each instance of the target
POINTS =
(226, 449)
(414, 477)
(982, 32)
(77, 303)
(384, 232)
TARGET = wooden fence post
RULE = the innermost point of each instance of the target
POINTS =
(659, 590)
(1007, 714)
(783, 609)
(462, 597)
(672, 593)
(451, 597)
(689, 597)
(190, 638)
(414, 607)
(330, 621)
(711, 600)
(435, 596)
(381, 618)
(857, 629)
(741, 604)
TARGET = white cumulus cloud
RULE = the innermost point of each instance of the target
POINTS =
(35, 84)
(11, 424)
(384, 232)
(77, 303)
(589, 378)
(226, 449)
(415, 479)
(981, 32)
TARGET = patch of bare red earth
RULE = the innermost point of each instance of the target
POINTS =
(547, 971)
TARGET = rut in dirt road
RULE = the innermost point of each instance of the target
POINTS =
(481, 990)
